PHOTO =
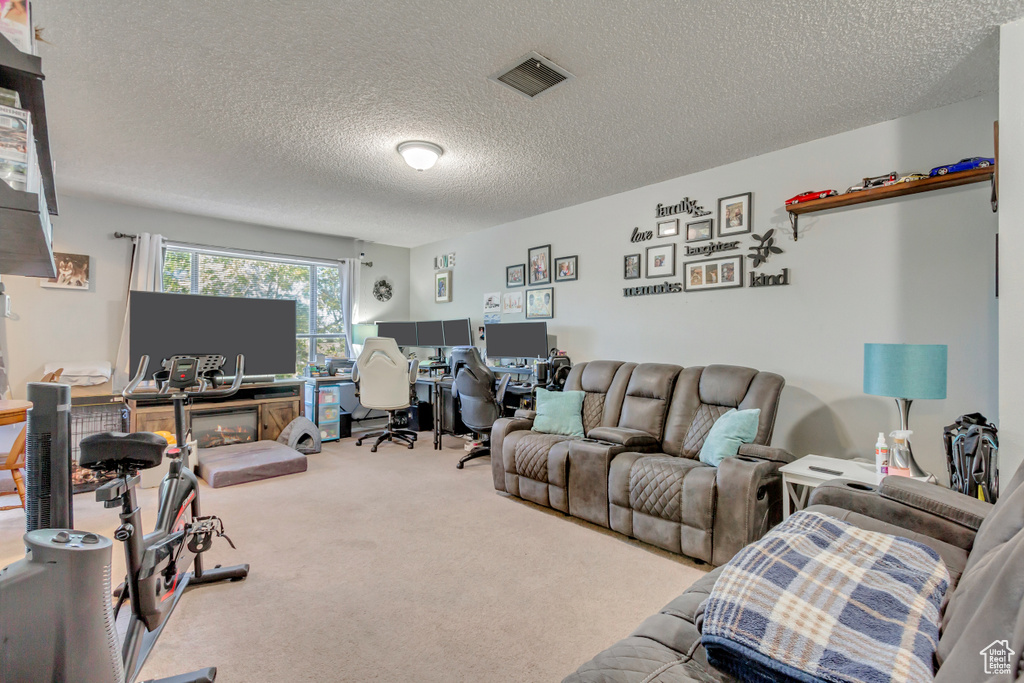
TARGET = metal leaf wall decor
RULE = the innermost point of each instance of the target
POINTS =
(762, 251)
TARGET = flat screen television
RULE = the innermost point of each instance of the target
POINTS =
(517, 340)
(457, 332)
(403, 332)
(163, 325)
(430, 333)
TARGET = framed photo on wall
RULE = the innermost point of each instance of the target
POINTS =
(735, 215)
(72, 272)
(698, 231)
(631, 267)
(515, 276)
(715, 273)
(539, 262)
(669, 228)
(661, 261)
(512, 302)
(566, 268)
(540, 303)
(443, 287)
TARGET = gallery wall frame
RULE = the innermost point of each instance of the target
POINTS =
(538, 264)
(660, 261)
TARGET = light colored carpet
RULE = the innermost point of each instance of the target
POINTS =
(395, 566)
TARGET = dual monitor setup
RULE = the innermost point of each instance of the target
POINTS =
(503, 340)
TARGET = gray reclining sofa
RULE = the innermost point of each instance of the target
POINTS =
(637, 469)
(983, 613)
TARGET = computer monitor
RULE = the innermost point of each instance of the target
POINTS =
(457, 332)
(403, 333)
(430, 333)
(363, 331)
(517, 340)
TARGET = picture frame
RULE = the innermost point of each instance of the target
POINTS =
(443, 287)
(540, 303)
(715, 273)
(538, 263)
(512, 302)
(567, 268)
(669, 228)
(700, 231)
(631, 267)
(72, 272)
(660, 261)
(735, 214)
(515, 276)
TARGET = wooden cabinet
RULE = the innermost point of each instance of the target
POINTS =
(275, 416)
(276, 405)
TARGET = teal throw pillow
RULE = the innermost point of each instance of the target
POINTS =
(559, 412)
(734, 428)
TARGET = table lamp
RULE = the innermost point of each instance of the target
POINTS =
(905, 372)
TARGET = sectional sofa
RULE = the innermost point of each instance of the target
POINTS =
(637, 471)
(982, 616)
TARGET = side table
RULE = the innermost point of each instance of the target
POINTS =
(812, 470)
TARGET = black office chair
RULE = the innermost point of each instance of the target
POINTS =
(479, 403)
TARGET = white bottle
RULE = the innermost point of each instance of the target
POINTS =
(881, 455)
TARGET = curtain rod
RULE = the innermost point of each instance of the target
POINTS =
(206, 247)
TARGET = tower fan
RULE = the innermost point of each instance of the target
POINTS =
(48, 457)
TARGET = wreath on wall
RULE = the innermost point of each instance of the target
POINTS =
(382, 290)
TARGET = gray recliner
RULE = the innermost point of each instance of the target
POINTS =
(982, 546)
(479, 402)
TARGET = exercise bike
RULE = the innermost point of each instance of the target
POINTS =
(158, 562)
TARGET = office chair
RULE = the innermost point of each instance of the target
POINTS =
(384, 380)
(479, 402)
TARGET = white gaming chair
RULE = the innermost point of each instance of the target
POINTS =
(383, 379)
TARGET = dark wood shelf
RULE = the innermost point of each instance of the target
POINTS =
(25, 235)
(940, 182)
(23, 73)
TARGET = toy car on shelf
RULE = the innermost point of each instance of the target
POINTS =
(963, 165)
(909, 178)
(808, 196)
(875, 181)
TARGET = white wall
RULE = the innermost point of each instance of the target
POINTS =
(65, 325)
(918, 269)
(1011, 243)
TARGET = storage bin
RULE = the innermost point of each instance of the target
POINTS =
(329, 432)
(328, 413)
(330, 394)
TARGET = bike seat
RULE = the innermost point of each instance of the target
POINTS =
(114, 451)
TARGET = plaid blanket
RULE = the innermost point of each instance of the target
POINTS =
(818, 599)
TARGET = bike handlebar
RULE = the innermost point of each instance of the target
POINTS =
(131, 393)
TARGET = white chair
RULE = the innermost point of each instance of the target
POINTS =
(384, 379)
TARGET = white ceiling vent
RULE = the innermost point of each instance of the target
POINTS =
(531, 75)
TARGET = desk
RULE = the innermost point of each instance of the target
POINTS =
(437, 386)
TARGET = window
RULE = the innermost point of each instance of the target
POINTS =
(313, 285)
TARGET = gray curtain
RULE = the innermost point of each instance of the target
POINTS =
(146, 276)
(348, 271)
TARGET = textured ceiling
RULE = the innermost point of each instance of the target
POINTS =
(288, 113)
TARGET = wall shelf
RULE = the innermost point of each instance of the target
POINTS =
(974, 175)
(26, 239)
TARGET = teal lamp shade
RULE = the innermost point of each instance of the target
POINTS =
(363, 331)
(905, 370)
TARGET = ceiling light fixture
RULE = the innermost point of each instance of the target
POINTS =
(420, 155)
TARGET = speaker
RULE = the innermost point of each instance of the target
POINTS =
(421, 417)
(48, 491)
(344, 425)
